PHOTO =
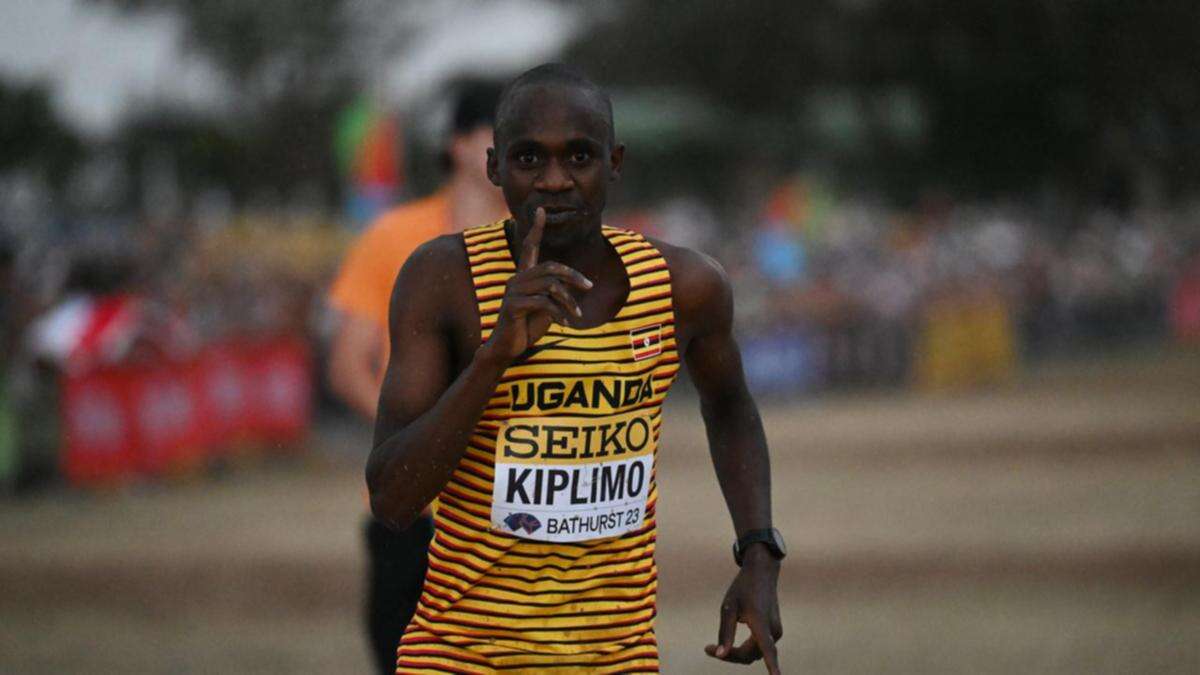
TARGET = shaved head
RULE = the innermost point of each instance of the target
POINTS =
(513, 98)
(553, 148)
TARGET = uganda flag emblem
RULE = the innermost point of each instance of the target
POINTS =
(646, 341)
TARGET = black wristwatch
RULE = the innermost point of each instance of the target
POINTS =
(771, 538)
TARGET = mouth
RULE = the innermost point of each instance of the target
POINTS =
(561, 214)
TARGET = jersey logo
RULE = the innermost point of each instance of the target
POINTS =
(646, 341)
(534, 350)
(523, 521)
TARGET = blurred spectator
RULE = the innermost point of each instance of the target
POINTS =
(359, 354)
(101, 319)
(946, 294)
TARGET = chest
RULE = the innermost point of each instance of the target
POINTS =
(604, 301)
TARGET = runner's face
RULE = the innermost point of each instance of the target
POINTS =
(555, 152)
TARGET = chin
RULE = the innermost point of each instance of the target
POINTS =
(564, 235)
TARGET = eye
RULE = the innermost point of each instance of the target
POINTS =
(527, 158)
(581, 157)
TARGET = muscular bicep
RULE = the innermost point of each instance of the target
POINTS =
(419, 368)
(737, 444)
(705, 307)
(714, 363)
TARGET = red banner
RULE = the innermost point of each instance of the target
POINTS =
(1185, 309)
(225, 393)
(282, 386)
(148, 420)
(99, 443)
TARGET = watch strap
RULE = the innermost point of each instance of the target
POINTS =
(768, 536)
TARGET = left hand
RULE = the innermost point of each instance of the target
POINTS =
(752, 600)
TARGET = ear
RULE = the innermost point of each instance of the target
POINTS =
(493, 169)
(615, 161)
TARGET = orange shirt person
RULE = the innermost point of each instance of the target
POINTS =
(361, 291)
(359, 352)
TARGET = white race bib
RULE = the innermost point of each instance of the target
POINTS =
(566, 479)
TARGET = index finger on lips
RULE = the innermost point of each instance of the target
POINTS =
(532, 241)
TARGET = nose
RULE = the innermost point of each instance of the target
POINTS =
(555, 178)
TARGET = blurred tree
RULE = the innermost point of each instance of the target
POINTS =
(285, 61)
(272, 49)
(32, 136)
(1097, 97)
(1094, 98)
(204, 153)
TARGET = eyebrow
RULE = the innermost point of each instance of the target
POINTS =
(522, 142)
(585, 140)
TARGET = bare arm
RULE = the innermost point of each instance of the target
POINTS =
(735, 435)
(426, 411)
(704, 310)
(355, 363)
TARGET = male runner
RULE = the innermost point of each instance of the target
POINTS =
(359, 350)
(529, 361)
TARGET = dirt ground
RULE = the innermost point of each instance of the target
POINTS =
(1048, 526)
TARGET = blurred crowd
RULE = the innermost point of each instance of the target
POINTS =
(830, 292)
(807, 260)
(837, 292)
(120, 311)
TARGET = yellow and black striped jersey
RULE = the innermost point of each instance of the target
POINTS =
(543, 553)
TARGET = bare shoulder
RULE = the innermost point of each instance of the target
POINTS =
(449, 250)
(700, 289)
(435, 281)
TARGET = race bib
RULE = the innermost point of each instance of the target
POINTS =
(566, 479)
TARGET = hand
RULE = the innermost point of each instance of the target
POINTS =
(534, 297)
(751, 599)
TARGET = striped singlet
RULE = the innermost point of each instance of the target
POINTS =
(543, 553)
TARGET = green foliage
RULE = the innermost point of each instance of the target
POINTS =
(31, 134)
(269, 48)
(285, 61)
(993, 96)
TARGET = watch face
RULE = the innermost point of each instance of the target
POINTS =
(777, 539)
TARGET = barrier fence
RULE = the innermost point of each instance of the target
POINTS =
(952, 343)
(121, 423)
(128, 421)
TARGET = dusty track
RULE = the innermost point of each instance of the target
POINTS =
(1049, 526)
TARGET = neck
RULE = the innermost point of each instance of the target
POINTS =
(472, 203)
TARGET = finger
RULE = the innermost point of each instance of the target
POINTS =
(553, 288)
(747, 652)
(761, 634)
(726, 630)
(734, 655)
(567, 274)
(562, 296)
(532, 304)
(532, 241)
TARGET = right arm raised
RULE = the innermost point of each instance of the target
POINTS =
(426, 412)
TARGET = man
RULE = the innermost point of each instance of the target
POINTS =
(523, 396)
(359, 350)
